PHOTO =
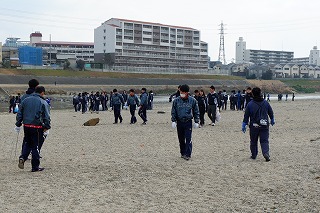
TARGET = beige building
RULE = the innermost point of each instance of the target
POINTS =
(139, 45)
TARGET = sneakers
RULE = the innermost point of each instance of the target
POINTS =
(185, 157)
(253, 158)
(213, 124)
(144, 123)
(37, 170)
(21, 163)
(267, 157)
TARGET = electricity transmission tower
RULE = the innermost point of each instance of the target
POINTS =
(222, 54)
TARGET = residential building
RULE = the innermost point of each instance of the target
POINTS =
(56, 52)
(240, 51)
(244, 55)
(139, 45)
(303, 60)
(314, 57)
(292, 70)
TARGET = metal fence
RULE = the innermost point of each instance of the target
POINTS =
(147, 70)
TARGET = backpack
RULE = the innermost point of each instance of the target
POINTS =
(260, 118)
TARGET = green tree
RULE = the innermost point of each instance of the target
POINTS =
(66, 64)
(109, 59)
(80, 64)
(267, 75)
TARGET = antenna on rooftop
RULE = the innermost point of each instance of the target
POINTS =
(222, 55)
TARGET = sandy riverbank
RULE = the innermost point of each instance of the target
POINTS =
(134, 168)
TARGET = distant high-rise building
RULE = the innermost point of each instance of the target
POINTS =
(140, 45)
(240, 51)
(244, 55)
(314, 57)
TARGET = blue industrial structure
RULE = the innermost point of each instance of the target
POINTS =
(30, 55)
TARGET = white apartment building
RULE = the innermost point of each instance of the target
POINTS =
(241, 51)
(58, 51)
(149, 46)
(244, 55)
(314, 57)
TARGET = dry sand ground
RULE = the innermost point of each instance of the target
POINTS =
(134, 168)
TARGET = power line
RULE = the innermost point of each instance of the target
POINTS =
(46, 25)
(46, 14)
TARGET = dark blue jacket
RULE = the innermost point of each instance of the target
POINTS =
(35, 111)
(117, 99)
(133, 100)
(144, 99)
(185, 109)
(252, 114)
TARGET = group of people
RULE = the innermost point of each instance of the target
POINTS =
(185, 108)
(101, 101)
(34, 116)
(213, 102)
(187, 112)
(116, 101)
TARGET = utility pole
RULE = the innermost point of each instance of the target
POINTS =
(222, 55)
(50, 51)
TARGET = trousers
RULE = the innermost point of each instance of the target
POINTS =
(143, 113)
(184, 130)
(255, 134)
(212, 109)
(33, 138)
(117, 113)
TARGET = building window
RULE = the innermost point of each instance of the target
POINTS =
(104, 37)
(104, 44)
(104, 31)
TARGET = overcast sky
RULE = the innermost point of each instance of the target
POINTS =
(290, 25)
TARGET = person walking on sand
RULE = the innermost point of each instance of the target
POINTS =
(257, 116)
(212, 105)
(132, 103)
(184, 109)
(143, 105)
(293, 96)
(202, 104)
(116, 103)
(34, 114)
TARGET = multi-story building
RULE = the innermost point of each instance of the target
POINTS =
(150, 46)
(314, 57)
(303, 60)
(240, 51)
(56, 52)
(244, 55)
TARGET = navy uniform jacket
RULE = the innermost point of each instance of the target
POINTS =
(252, 115)
(35, 111)
(117, 99)
(133, 100)
(185, 110)
(144, 99)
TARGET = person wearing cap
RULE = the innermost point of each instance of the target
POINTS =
(248, 97)
(184, 109)
(257, 116)
(143, 106)
(116, 102)
(34, 114)
(212, 98)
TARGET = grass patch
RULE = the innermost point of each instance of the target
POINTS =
(303, 85)
(91, 74)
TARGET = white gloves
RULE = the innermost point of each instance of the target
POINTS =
(196, 125)
(17, 129)
(46, 133)
(174, 125)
